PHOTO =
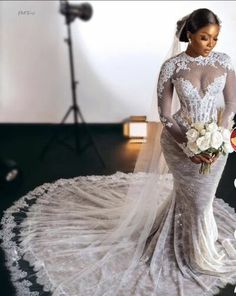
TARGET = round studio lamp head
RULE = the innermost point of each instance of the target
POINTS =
(83, 11)
(10, 173)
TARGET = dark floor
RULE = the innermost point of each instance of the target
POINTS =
(24, 144)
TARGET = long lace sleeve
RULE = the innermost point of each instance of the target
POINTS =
(229, 95)
(164, 95)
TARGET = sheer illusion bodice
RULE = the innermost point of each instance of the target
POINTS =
(53, 236)
(199, 82)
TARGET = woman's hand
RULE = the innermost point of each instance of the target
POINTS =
(200, 158)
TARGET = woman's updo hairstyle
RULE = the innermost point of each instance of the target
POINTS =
(195, 21)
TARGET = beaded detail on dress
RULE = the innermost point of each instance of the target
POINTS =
(199, 82)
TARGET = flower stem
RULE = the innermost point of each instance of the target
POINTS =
(205, 168)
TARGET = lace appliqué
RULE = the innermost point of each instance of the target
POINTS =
(224, 60)
(194, 106)
(166, 122)
(181, 62)
(198, 103)
(167, 71)
(187, 89)
(214, 57)
(163, 119)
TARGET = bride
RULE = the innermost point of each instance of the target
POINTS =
(159, 230)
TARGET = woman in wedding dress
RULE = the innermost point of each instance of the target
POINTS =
(157, 231)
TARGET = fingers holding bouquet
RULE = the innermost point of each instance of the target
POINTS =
(204, 158)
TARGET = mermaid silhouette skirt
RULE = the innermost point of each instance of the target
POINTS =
(193, 250)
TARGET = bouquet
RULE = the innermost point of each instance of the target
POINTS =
(208, 138)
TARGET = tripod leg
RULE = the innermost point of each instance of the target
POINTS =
(55, 136)
(90, 136)
(67, 114)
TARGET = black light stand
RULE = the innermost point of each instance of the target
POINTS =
(83, 11)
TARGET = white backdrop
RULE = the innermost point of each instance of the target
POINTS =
(117, 55)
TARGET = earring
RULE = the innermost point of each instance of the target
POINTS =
(189, 40)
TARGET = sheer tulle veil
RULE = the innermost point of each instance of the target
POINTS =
(142, 211)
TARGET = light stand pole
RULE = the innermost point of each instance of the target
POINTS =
(84, 11)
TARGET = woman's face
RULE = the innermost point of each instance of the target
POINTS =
(204, 40)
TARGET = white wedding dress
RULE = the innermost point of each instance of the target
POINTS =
(49, 236)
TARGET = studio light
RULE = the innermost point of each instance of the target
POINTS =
(70, 12)
(83, 11)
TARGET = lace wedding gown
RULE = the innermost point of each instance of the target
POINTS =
(49, 235)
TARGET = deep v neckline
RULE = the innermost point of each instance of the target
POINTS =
(201, 60)
(194, 88)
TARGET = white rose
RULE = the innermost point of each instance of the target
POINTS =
(193, 147)
(211, 127)
(226, 135)
(192, 135)
(208, 135)
(202, 132)
(228, 148)
(203, 142)
(198, 126)
(216, 139)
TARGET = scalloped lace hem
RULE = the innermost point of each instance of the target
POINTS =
(13, 253)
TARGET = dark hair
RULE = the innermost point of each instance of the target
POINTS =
(195, 21)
